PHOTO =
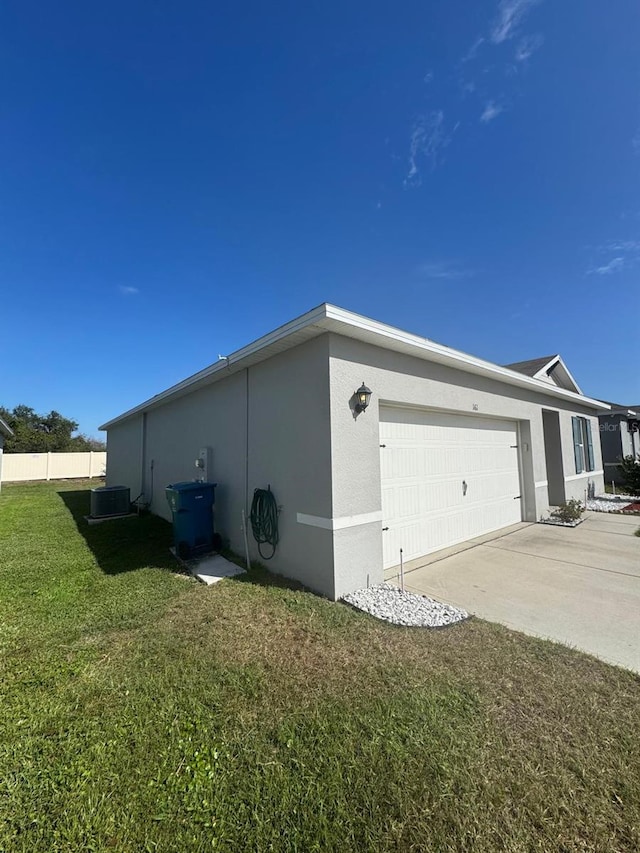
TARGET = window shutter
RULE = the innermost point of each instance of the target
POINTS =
(577, 444)
(589, 445)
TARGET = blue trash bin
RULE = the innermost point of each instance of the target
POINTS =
(192, 509)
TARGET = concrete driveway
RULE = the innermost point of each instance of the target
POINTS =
(579, 586)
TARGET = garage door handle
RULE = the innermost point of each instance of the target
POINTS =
(384, 528)
(518, 497)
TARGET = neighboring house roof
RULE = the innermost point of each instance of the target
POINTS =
(619, 409)
(5, 428)
(329, 318)
(549, 368)
(533, 366)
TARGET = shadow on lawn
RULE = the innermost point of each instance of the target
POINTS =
(126, 544)
(260, 575)
(122, 545)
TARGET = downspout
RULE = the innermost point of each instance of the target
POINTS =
(143, 460)
(245, 511)
(246, 452)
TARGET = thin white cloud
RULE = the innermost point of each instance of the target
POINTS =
(427, 141)
(527, 46)
(511, 13)
(491, 111)
(626, 255)
(507, 25)
(448, 270)
(128, 291)
(623, 246)
(473, 50)
(614, 265)
(484, 84)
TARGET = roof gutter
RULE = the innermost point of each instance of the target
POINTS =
(223, 364)
(5, 428)
(330, 318)
(622, 411)
(460, 360)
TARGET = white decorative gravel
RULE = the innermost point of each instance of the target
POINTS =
(404, 608)
(611, 503)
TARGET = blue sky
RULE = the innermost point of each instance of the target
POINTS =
(179, 178)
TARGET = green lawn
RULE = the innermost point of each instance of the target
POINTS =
(142, 711)
(620, 489)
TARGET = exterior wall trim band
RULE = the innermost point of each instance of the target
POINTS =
(339, 523)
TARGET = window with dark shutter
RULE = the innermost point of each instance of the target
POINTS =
(588, 445)
(578, 450)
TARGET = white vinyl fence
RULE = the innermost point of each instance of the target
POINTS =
(17, 467)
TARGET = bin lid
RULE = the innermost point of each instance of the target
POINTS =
(190, 485)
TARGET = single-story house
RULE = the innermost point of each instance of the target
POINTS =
(450, 447)
(619, 437)
(5, 432)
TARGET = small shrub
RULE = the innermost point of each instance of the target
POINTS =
(569, 511)
(629, 468)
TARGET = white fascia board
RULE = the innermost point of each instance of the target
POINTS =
(224, 364)
(546, 368)
(432, 351)
(5, 428)
(624, 412)
(551, 365)
(330, 318)
(569, 375)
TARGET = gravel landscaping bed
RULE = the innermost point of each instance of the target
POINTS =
(612, 503)
(404, 608)
(557, 523)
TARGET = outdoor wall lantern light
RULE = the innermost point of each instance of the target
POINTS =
(363, 395)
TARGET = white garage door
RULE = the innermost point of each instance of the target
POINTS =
(445, 478)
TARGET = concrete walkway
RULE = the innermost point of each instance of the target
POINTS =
(577, 586)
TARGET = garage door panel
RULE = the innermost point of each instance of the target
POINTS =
(425, 461)
(409, 500)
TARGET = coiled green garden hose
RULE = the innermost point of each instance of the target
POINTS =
(264, 520)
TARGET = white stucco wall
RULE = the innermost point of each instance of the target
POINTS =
(124, 455)
(403, 380)
(629, 441)
(284, 402)
(290, 449)
(213, 417)
(288, 422)
(576, 484)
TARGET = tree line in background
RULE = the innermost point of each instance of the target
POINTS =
(34, 433)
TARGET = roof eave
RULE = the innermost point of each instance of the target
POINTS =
(5, 428)
(569, 375)
(621, 410)
(550, 366)
(461, 360)
(330, 318)
(252, 349)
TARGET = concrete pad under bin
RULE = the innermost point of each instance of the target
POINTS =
(211, 568)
